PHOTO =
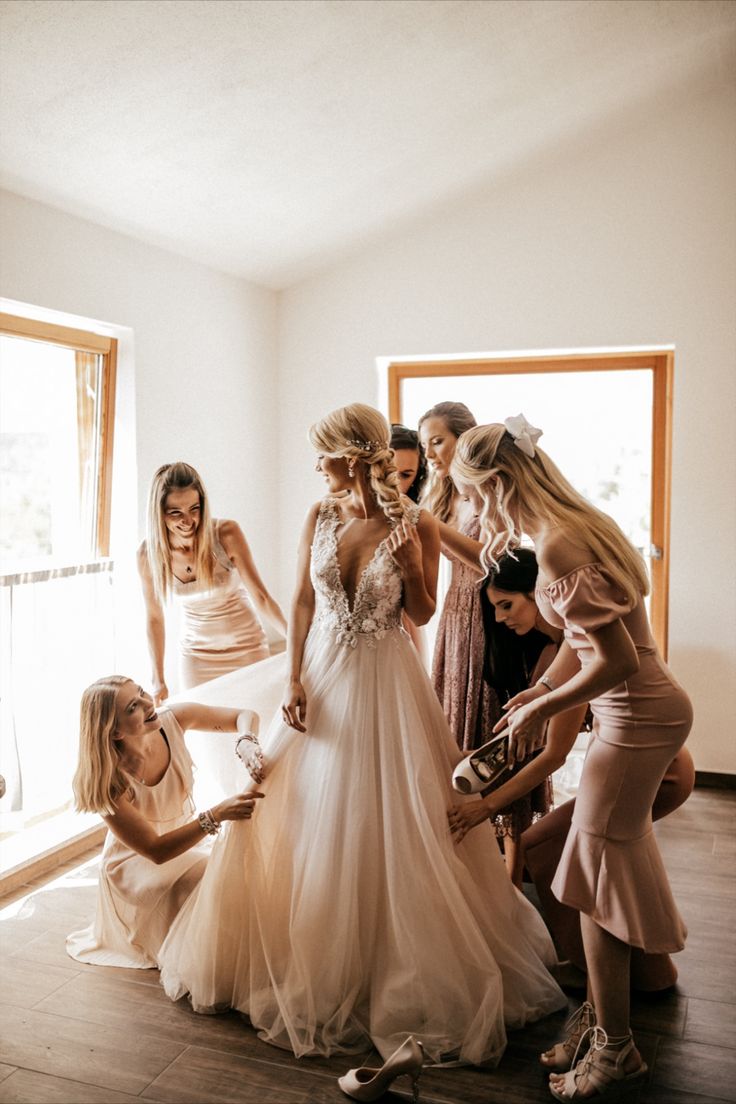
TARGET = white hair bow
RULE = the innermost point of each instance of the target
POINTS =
(524, 433)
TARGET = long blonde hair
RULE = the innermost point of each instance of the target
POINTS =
(99, 780)
(515, 487)
(439, 490)
(177, 477)
(358, 432)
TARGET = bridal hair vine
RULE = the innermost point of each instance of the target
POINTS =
(365, 446)
(525, 435)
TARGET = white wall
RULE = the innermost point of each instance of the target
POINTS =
(198, 359)
(626, 238)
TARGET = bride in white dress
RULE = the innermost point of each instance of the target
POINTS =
(347, 914)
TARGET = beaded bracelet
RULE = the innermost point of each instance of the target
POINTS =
(545, 680)
(208, 824)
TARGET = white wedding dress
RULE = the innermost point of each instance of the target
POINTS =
(344, 913)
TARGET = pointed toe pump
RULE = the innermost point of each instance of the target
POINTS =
(370, 1084)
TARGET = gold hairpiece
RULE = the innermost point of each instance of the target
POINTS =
(366, 446)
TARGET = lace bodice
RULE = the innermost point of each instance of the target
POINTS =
(377, 606)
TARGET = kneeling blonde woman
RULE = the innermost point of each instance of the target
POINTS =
(135, 771)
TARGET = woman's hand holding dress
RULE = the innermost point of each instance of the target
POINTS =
(239, 807)
(464, 817)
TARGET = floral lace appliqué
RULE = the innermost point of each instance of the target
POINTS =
(377, 607)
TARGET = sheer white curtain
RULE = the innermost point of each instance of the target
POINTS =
(57, 634)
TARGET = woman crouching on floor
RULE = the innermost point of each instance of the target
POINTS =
(135, 771)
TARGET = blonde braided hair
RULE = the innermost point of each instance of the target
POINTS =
(359, 432)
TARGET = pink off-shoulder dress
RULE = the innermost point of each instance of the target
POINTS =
(611, 868)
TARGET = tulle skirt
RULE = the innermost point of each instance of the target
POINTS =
(344, 913)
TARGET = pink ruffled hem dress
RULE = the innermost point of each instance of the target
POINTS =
(611, 868)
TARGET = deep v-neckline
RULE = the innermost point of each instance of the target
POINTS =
(335, 544)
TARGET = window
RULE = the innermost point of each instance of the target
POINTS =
(57, 396)
(57, 585)
(606, 419)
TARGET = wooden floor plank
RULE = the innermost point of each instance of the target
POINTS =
(201, 1076)
(31, 1087)
(102, 1034)
(724, 846)
(706, 974)
(707, 878)
(81, 1051)
(145, 1009)
(658, 1094)
(15, 934)
(49, 947)
(26, 983)
(59, 909)
(679, 842)
(694, 1068)
(660, 1013)
(712, 1022)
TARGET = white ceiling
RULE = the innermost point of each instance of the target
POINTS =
(267, 138)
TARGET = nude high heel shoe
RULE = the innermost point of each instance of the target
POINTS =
(484, 766)
(369, 1084)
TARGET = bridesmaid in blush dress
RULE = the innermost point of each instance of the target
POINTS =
(592, 584)
(543, 845)
(470, 704)
(135, 771)
(207, 566)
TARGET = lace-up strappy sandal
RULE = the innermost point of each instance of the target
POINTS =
(602, 1068)
(561, 1057)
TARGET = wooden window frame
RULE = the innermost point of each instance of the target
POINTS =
(660, 362)
(106, 347)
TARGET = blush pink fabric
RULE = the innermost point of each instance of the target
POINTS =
(611, 868)
(469, 703)
(220, 630)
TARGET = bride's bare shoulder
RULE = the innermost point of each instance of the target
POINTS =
(310, 521)
(561, 552)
